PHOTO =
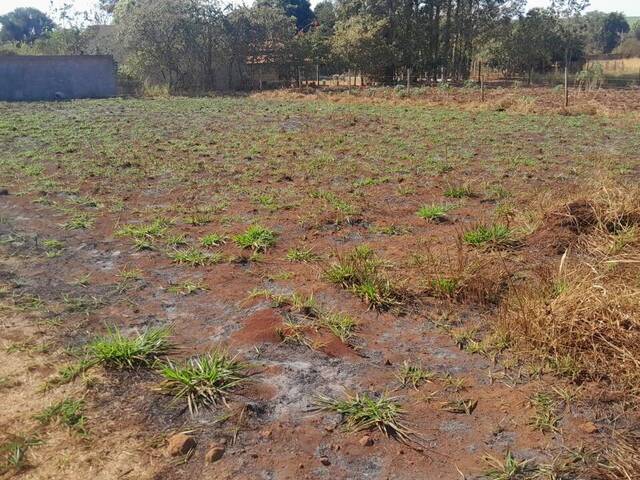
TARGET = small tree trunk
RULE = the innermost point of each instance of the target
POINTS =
(566, 79)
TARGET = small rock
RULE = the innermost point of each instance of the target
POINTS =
(266, 434)
(214, 453)
(366, 441)
(589, 427)
(325, 461)
(387, 362)
(180, 444)
(4, 191)
(301, 466)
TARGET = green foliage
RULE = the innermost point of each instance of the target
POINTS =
(24, 25)
(434, 212)
(116, 350)
(362, 272)
(204, 380)
(485, 234)
(367, 412)
(68, 412)
(257, 238)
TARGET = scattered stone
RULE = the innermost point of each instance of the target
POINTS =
(589, 427)
(366, 441)
(266, 434)
(325, 461)
(215, 453)
(4, 191)
(180, 444)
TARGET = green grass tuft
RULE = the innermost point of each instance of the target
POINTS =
(434, 212)
(204, 380)
(483, 234)
(116, 350)
(257, 238)
(68, 412)
(367, 412)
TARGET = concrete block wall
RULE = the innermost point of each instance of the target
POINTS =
(58, 77)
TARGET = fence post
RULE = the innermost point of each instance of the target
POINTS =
(317, 75)
(408, 80)
(566, 83)
(482, 88)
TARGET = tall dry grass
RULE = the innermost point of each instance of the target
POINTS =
(585, 315)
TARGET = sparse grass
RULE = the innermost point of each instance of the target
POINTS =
(79, 222)
(545, 418)
(187, 287)
(149, 231)
(364, 411)
(13, 454)
(68, 412)
(466, 406)
(362, 272)
(302, 254)
(195, 257)
(116, 350)
(460, 191)
(341, 325)
(257, 238)
(213, 240)
(487, 234)
(203, 381)
(507, 468)
(413, 375)
(434, 212)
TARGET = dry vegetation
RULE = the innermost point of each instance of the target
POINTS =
(291, 285)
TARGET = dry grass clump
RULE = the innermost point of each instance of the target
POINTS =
(585, 317)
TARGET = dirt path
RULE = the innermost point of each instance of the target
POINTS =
(269, 428)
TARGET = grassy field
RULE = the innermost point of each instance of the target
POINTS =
(302, 286)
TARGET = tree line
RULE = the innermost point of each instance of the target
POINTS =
(205, 45)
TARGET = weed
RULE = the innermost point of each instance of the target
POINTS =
(508, 468)
(545, 418)
(53, 248)
(13, 454)
(302, 254)
(198, 219)
(203, 381)
(466, 406)
(458, 191)
(491, 234)
(341, 325)
(195, 257)
(362, 272)
(79, 222)
(68, 412)
(365, 412)
(434, 212)
(176, 240)
(213, 240)
(130, 274)
(187, 287)
(257, 238)
(444, 286)
(155, 229)
(116, 350)
(413, 375)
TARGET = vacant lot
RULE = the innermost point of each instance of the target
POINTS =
(342, 286)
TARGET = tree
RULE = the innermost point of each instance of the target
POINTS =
(613, 29)
(25, 25)
(360, 41)
(298, 9)
(181, 43)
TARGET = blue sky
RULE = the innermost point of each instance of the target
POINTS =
(630, 7)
